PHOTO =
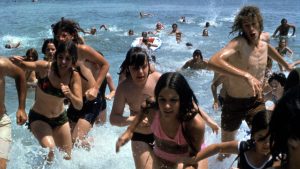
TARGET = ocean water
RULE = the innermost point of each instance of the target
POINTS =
(30, 23)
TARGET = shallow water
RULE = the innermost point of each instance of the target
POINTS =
(30, 23)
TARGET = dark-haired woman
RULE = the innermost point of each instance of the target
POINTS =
(176, 122)
(82, 120)
(57, 80)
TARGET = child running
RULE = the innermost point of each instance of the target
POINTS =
(252, 154)
(176, 122)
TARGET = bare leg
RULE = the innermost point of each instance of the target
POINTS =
(43, 132)
(226, 136)
(80, 132)
(101, 118)
(63, 140)
(142, 155)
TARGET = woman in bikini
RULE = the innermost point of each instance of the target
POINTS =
(176, 122)
(47, 118)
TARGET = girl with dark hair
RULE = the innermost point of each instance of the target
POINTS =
(138, 83)
(176, 122)
(48, 119)
(82, 120)
(276, 82)
(31, 56)
(48, 49)
(284, 129)
(252, 154)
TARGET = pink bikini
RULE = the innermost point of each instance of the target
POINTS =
(168, 148)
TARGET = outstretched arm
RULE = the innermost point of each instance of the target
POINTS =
(230, 147)
(209, 121)
(277, 29)
(294, 29)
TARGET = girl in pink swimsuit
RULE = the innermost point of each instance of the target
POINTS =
(176, 122)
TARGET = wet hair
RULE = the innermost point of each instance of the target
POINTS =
(63, 48)
(245, 12)
(144, 34)
(174, 24)
(188, 44)
(7, 46)
(136, 56)
(260, 122)
(284, 124)
(67, 25)
(130, 32)
(293, 79)
(283, 20)
(45, 45)
(280, 77)
(207, 24)
(187, 98)
(32, 53)
(199, 53)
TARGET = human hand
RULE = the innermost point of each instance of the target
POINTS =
(91, 93)
(17, 59)
(213, 125)
(21, 116)
(123, 140)
(108, 97)
(66, 90)
(255, 85)
(215, 105)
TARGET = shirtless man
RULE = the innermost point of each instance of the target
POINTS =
(82, 120)
(284, 28)
(7, 68)
(244, 61)
(197, 62)
(138, 85)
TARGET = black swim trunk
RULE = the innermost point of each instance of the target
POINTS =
(221, 100)
(103, 104)
(147, 138)
(235, 110)
(53, 122)
(90, 110)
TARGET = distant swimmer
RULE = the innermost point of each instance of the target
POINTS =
(104, 27)
(11, 45)
(182, 19)
(283, 50)
(196, 62)
(130, 32)
(158, 27)
(92, 31)
(143, 14)
(205, 30)
(176, 31)
(189, 45)
(284, 28)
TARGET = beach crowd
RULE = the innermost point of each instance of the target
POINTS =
(166, 125)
